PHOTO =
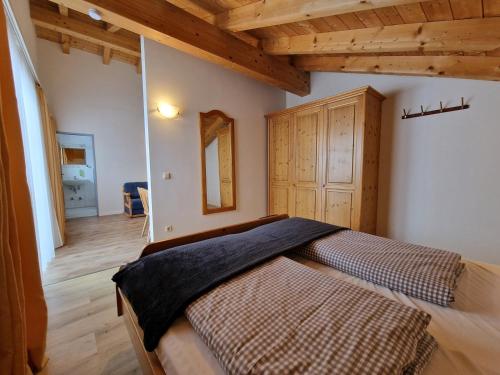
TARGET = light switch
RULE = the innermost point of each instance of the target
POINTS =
(167, 175)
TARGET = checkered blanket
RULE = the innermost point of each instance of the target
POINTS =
(418, 271)
(285, 318)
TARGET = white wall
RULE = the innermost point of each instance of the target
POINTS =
(86, 96)
(174, 145)
(439, 175)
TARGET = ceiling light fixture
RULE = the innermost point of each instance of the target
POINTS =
(95, 14)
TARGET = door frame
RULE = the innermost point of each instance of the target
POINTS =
(95, 162)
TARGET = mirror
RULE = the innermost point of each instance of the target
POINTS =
(73, 156)
(217, 161)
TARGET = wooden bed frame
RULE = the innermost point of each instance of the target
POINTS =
(150, 364)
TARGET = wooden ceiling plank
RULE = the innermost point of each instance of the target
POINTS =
(463, 9)
(197, 37)
(473, 67)
(494, 53)
(321, 25)
(265, 13)
(389, 16)
(351, 21)
(437, 10)
(470, 35)
(369, 18)
(335, 23)
(411, 13)
(491, 8)
(75, 28)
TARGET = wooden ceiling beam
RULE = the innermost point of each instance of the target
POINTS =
(65, 43)
(471, 35)
(200, 10)
(474, 67)
(165, 23)
(112, 28)
(106, 55)
(83, 45)
(63, 10)
(53, 21)
(264, 13)
(65, 39)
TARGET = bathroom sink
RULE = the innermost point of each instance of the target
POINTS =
(75, 184)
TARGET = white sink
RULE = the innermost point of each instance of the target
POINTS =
(75, 184)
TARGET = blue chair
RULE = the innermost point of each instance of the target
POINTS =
(132, 204)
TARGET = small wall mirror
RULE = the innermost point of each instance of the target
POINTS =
(217, 160)
(73, 156)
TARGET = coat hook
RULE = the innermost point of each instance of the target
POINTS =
(462, 102)
(441, 106)
(404, 113)
(422, 109)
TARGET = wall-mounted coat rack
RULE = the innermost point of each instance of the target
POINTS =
(407, 114)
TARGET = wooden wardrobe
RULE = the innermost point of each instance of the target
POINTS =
(323, 159)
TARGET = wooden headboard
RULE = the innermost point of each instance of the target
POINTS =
(154, 247)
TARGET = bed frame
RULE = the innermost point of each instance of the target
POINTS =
(149, 362)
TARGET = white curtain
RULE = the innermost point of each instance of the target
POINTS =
(36, 164)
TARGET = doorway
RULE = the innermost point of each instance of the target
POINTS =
(78, 174)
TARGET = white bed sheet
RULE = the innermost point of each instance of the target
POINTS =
(468, 333)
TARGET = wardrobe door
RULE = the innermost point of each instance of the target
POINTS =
(307, 160)
(342, 125)
(280, 173)
(338, 207)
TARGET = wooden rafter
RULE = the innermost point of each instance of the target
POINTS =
(63, 10)
(65, 39)
(112, 28)
(200, 10)
(84, 45)
(106, 55)
(476, 67)
(193, 35)
(472, 35)
(65, 43)
(75, 28)
(266, 13)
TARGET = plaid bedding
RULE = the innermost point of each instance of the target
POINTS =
(417, 271)
(285, 318)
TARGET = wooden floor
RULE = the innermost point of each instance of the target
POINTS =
(85, 335)
(95, 244)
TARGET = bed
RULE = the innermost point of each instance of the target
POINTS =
(468, 334)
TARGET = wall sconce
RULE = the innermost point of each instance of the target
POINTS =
(167, 110)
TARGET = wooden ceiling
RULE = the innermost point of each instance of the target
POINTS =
(72, 29)
(280, 41)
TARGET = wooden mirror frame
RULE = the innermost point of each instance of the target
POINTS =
(230, 121)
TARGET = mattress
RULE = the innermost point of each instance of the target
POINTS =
(468, 333)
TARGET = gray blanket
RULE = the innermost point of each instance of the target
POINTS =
(161, 285)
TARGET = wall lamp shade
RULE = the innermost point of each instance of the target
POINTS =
(167, 110)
